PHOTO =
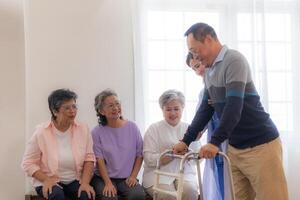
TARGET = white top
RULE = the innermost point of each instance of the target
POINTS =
(159, 137)
(66, 162)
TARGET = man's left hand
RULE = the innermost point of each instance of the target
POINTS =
(208, 151)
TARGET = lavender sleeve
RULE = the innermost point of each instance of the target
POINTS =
(97, 144)
(139, 142)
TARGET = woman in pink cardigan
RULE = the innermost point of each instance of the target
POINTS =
(59, 156)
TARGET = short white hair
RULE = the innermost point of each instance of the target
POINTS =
(171, 95)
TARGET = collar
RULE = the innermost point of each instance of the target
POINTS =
(221, 55)
(50, 124)
(170, 126)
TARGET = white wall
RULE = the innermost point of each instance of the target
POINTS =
(12, 100)
(85, 46)
(82, 45)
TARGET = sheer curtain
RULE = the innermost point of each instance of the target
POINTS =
(265, 31)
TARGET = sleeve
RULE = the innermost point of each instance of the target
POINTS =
(203, 115)
(97, 144)
(32, 156)
(90, 156)
(200, 97)
(236, 79)
(139, 144)
(151, 147)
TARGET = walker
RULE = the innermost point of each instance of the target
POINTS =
(179, 176)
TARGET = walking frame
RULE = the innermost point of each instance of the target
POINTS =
(180, 176)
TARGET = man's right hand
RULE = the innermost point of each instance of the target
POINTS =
(180, 148)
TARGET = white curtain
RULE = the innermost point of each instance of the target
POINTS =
(265, 31)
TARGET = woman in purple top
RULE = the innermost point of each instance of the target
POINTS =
(118, 147)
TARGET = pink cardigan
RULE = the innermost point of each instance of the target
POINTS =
(42, 154)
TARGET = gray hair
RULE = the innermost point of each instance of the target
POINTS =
(57, 98)
(99, 102)
(171, 95)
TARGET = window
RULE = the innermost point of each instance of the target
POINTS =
(261, 30)
(165, 59)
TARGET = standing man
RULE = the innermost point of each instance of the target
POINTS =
(254, 145)
(213, 175)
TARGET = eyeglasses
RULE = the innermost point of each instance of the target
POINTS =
(69, 107)
(196, 66)
(113, 105)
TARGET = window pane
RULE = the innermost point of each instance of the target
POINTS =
(174, 54)
(156, 27)
(162, 25)
(174, 25)
(245, 28)
(156, 84)
(155, 113)
(194, 84)
(246, 50)
(278, 56)
(156, 55)
(160, 81)
(278, 27)
(279, 85)
(281, 114)
(174, 80)
(190, 110)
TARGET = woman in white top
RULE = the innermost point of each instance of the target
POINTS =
(163, 135)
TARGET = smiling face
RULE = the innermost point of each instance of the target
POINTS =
(201, 50)
(67, 112)
(172, 112)
(111, 108)
(197, 66)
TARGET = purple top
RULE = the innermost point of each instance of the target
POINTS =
(119, 148)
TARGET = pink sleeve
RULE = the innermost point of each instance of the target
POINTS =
(31, 158)
(90, 156)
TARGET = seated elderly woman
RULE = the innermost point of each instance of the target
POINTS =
(118, 147)
(161, 136)
(59, 156)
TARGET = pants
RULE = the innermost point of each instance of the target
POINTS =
(130, 193)
(70, 190)
(258, 172)
(190, 191)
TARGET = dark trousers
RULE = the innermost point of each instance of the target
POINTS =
(69, 190)
(128, 193)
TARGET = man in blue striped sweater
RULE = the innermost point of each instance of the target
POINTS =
(254, 147)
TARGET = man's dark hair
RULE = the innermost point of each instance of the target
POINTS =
(57, 98)
(200, 31)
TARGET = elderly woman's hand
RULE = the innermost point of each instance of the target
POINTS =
(88, 189)
(48, 184)
(109, 190)
(180, 148)
(131, 181)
